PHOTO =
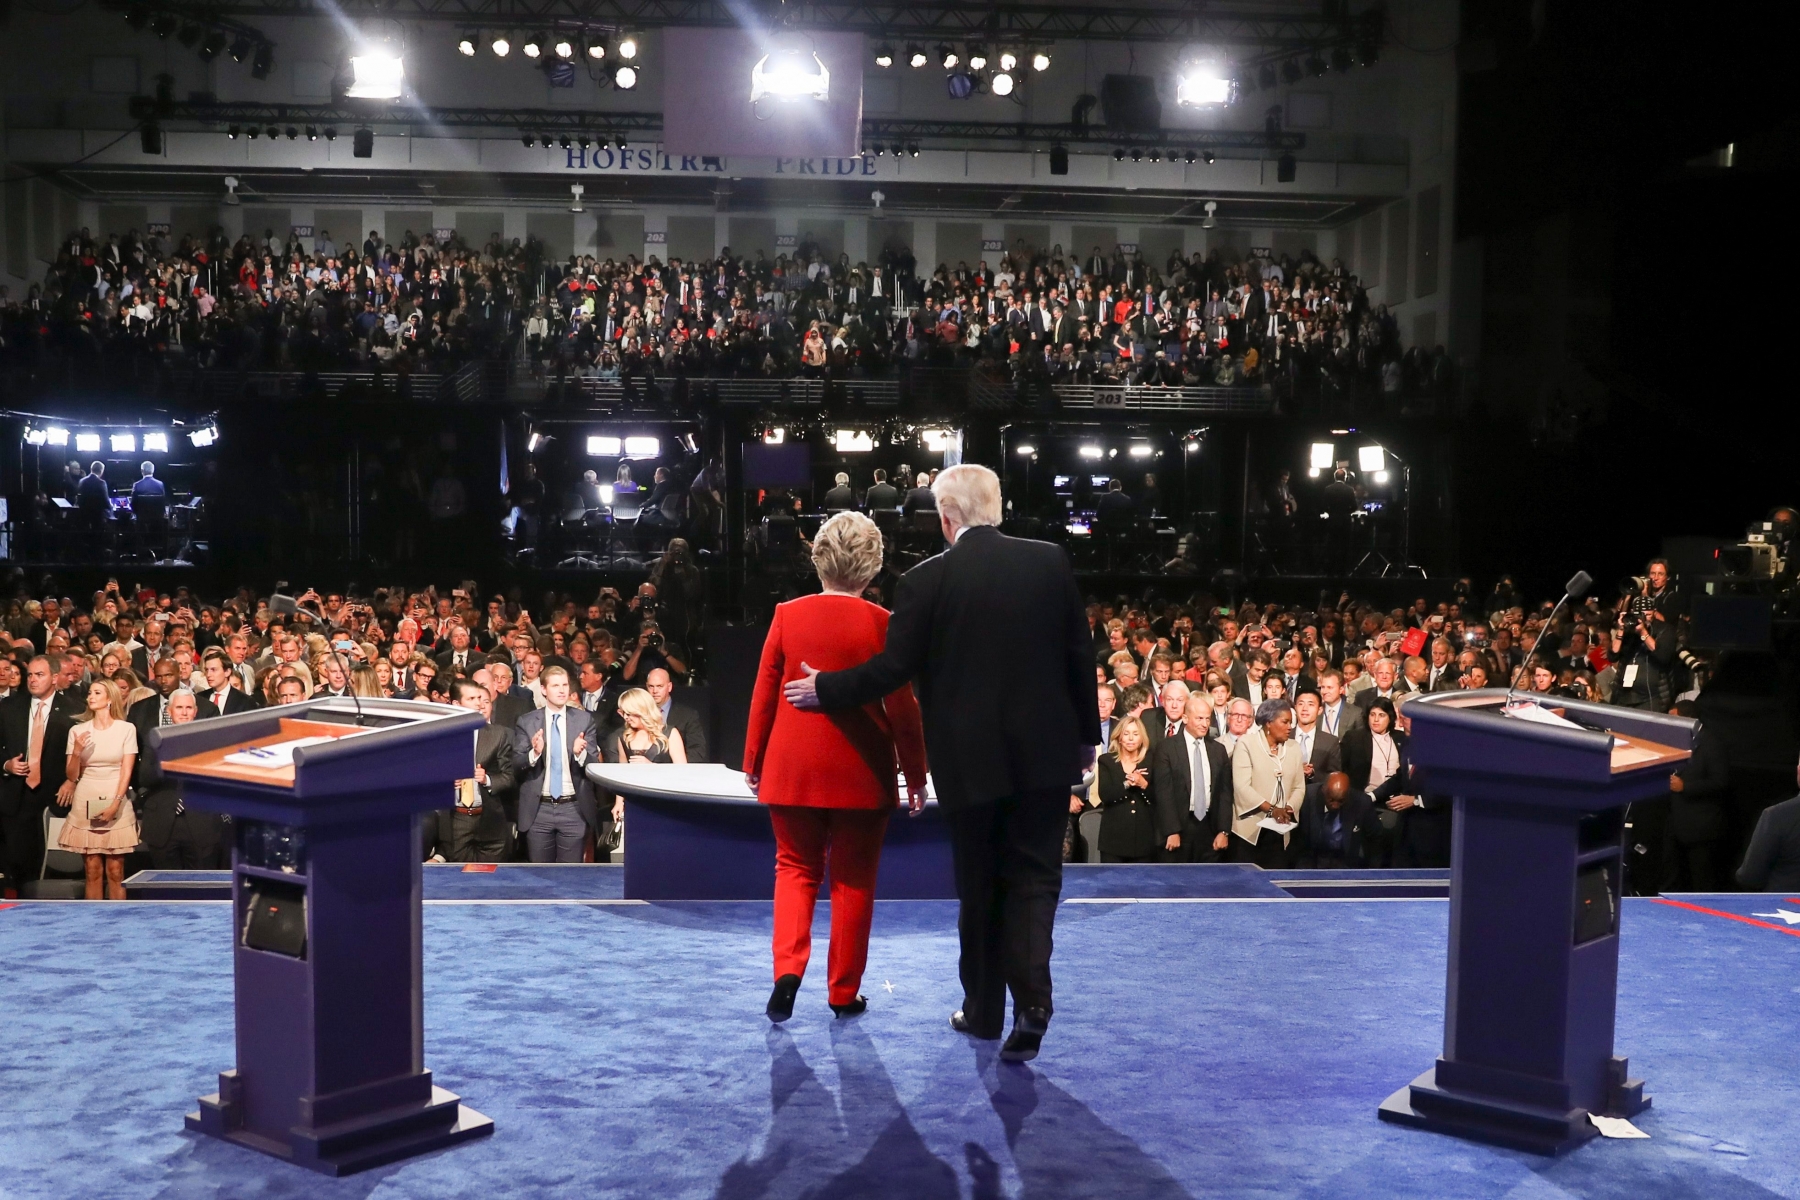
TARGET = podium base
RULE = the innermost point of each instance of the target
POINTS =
(1535, 1129)
(344, 1148)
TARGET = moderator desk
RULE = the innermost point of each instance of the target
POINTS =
(694, 831)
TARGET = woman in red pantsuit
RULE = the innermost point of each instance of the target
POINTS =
(829, 778)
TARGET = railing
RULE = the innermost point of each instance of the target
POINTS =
(1224, 400)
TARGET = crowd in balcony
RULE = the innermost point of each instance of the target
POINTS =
(270, 301)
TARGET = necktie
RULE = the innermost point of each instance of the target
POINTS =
(34, 749)
(163, 716)
(553, 747)
(1200, 800)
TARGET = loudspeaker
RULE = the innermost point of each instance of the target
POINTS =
(275, 919)
(1596, 909)
(1059, 160)
(364, 145)
(151, 135)
(1284, 169)
(1128, 103)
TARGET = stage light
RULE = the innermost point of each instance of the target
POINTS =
(87, 443)
(1002, 83)
(331, 133)
(263, 61)
(1265, 75)
(1092, 452)
(240, 48)
(56, 435)
(1118, 155)
(1381, 477)
(533, 440)
(853, 441)
(625, 78)
(643, 447)
(619, 143)
(232, 133)
(362, 143)
(376, 75)
(565, 141)
(977, 57)
(607, 494)
(1008, 60)
(1155, 154)
(293, 134)
(204, 436)
(1204, 84)
(1024, 449)
(124, 443)
(792, 71)
(912, 149)
(947, 56)
(1370, 458)
(271, 133)
(915, 55)
(1137, 154)
(1340, 59)
(960, 85)
(575, 191)
(774, 436)
(532, 46)
(938, 440)
(312, 133)
(500, 46)
(1315, 64)
(1187, 156)
(628, 46)
(465, 46)
(1193, 446)
(156, 443)
(564, 48)
(1320, 457)
(35, 437)
(596, 50)
(1208, 157)
(884, 56)
(162, 25)
(1040, 61)
(1142, 450)
(209, 49)
(604, 447)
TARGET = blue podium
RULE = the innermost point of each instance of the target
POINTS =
(326, 924)
(695, 831)
(1537, 861)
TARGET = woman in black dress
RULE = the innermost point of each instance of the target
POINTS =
(1127, 816)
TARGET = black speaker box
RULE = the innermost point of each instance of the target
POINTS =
(1128, 103)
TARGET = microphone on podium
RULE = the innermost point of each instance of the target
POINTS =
(1575, 589)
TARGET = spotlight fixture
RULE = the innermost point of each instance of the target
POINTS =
(87, 443)
(376, 75)
(124, 443)
(204, 436)
(1208, 157)
(210, 48)
(232, 133)
(528, 140)
(1290, 72)
(1209, 221)
(912, 149)
(240, 48)
(915, 55)
(791, 70)
(1155, 155)
(331, 133)
(249, 133)
(947, 56)
(1204, 83)
(1187, 156)
(56, 435)
(465, 46)
(1002, 83)
(628, 46)
(563, 48)
(596, 50)
(1119, 154)
(880, 150)
(575, 193)
(271, 133)
(263, 61)
(625, 78)
(620, 143)
(292, 133)
(960, 85)
(1265, 75)
(500, 46)
(584, 141)
(884, 56)
(1008, 60)
(312, 133)
(156, 443)
(978, 59)
(532, 46)
(565, 141)
(1040, 60)
(1340, 59)
(1315, 64)
(1137, 154)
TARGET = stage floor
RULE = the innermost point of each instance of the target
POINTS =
(1202, 1046)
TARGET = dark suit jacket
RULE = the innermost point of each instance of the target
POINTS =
(693, 734)
(1366, 697)
(145, 715)
(15, 739)
(1128, 819)
(1772, 864)
(1358, 749)
(511, 706)
(882, 495)
(157, 793)
(1697, 811)
(1327, 756)
(994, 634)
(494, 753)
(839, 498)
(1349, 717)
(235, 702)
(1172, 781)
(921, 499)
(475, 659)
(530, 775)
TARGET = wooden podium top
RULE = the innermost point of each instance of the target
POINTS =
(211, 762)
(1628, 752)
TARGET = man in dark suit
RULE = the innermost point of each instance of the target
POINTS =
(462, 657)
(882, 495)
(921, 498)
(1191, 776)
(153, 711)
(677, 716)
(477, 827)
(34, 739)
(1388, 684)
(552, 747)
(510, 700)
(1113, 509)
(221, 698)
(1319, 751)
(180, 838)
(1772, 863)
(994, 635)
(840, 498)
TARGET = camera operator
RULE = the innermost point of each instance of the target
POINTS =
(649, 651)
(1645, 639)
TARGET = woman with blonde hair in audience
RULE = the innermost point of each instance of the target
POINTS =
(642, 738)
(1128, 815)
(101, 825)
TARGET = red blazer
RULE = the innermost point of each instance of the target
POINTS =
(829, 760)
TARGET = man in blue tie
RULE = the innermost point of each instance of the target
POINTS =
(1192, 777)
(556, 801)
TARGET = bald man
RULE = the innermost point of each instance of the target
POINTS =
(677, 716)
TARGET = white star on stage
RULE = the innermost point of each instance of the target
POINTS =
(889, 984)
(1782, 915)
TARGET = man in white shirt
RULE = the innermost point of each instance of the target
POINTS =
(1240, 714)
(1337, 715)
(1191, 775)
(1320, 753)
(557, 806)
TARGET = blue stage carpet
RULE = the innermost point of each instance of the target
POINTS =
(1232, 1049)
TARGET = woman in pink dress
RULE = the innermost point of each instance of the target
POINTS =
(101, 826)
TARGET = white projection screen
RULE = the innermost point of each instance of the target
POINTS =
(706, 98)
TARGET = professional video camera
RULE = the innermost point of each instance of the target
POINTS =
(1763, 552)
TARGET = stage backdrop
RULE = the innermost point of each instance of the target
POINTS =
(706, 97)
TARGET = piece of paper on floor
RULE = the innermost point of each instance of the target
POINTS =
(1616, 1127)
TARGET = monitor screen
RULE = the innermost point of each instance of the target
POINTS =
(1099, 481)
(1079, 528)
(786, 465)
(1061, 483)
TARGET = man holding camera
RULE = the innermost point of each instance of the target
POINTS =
(1645, 640)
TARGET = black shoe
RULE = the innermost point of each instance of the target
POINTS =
(855, 1008)
(960, 1023)
(1028, 1032)
(781, 1000)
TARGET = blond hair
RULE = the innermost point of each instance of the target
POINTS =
(115, 700)
(968, 494)
(639, 703)
(847, 552)
(1120, 727)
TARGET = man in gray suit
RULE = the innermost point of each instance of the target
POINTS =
(1319, 751)
(552, 746)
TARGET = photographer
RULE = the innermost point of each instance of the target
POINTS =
(649, 651)
(1645, 639)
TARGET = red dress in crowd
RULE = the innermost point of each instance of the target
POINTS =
(829, 780)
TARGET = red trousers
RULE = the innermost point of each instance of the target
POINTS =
(806, 839)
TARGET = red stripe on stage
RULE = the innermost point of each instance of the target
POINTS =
(8, 906)
(1713, 912)
(479, 868)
